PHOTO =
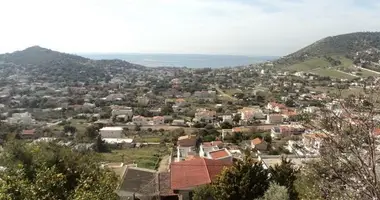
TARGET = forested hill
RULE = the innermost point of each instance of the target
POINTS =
(45, 64)
(344, 45)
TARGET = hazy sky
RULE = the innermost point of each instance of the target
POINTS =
(246, 27)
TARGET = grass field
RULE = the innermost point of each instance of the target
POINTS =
(148, 138)
(309, 64)
(332, 73)
(80, 124)
(232, 91)
(145, 157)
(343, 93)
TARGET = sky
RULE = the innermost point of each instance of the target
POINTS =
(236, 27)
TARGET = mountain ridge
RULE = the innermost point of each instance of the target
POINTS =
(343, 45)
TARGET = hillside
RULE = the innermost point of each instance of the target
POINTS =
(334, 56)
(48, 65)
(346, 44)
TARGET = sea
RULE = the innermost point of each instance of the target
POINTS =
(184, 60)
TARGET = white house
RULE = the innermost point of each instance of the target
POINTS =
(127, 111)
(227, 118)
(250, 113)
(185, 147)
(220, 154)
(313, 141)
(276, 107)
(207, 147)
(21, 118)
(311, 109)
(111, 132)
(178, 122)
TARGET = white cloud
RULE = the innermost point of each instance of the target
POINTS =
(258, 27)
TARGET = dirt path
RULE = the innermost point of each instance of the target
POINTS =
(164, 164)
(220, 91)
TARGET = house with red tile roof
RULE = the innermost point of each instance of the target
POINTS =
(221, 154)
(287, 130)
(180, 102)
(313, 141)
(189, 174)
(158, 120)
(287, 113)
(185, 147)
(250, 113)
(206, 147)
(28, 134)
(276, 107)
(259, 144)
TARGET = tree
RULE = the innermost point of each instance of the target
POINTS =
(285, 174)
(307, 185)
(348, 165)
(204, 192)
(69, 129)
(50, 171)
(289, 103)
(276, 192)
(245, 180)
(167, 110)
(91, 132)
(237, 118)
(100, 145)
(268, 138)
(225, 125)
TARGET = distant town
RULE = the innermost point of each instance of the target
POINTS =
(163, 129)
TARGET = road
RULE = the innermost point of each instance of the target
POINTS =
(347, 73)
(220, 91)
(368, 70)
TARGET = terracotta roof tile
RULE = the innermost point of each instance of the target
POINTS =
(256, 141)
(28, 132)
(218, 154)
(191, 173)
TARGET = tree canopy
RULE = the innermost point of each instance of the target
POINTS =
(49, 171)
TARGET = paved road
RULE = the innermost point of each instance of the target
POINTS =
(223, 93)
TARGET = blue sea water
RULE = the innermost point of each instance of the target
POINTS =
(184, 60)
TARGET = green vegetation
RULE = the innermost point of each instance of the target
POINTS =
(333, 73)
(309, 65)
(247, 180)
(50, 171)
(146, 157)
(339, 45)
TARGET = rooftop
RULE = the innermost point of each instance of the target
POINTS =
(115, 128)
(256, 141)
(192, 173)
(138, 180)
(218, 154)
